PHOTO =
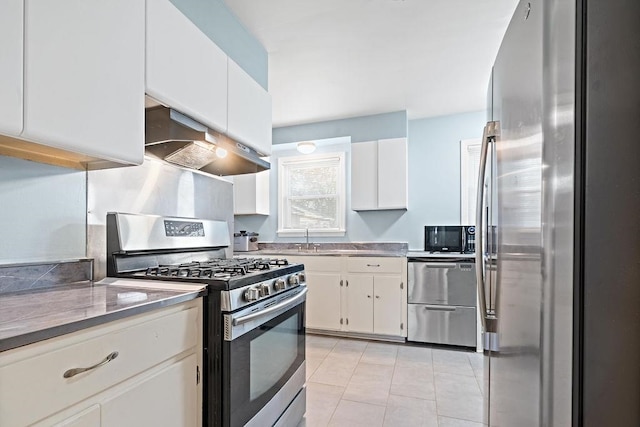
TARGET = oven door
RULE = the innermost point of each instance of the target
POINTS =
(263, 361)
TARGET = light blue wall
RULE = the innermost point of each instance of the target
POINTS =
(434, 183)
(215, 19)
(360, 129)
(43, 212)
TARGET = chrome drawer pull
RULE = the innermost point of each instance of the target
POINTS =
(439, 308)
(373, 265)
(75, 371)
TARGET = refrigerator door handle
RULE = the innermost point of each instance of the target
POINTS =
(488, 132)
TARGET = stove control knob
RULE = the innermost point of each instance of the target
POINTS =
(252, 294)
(294, 280)
(265, 290)
(302, 277)
(279, 285)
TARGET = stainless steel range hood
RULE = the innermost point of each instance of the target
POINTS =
(178, 139)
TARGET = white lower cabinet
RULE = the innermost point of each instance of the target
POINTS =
(139, 404)
(153, 380)
(374, 304)
(359, 293)
(323, 301)
(356, 295)
(89, 417)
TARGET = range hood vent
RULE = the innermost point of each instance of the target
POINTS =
(178, 139)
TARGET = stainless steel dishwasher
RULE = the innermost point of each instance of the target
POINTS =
(442, 300)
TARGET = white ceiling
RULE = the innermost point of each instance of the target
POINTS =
(332, 59)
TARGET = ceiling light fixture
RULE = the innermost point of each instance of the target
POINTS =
(306, 147)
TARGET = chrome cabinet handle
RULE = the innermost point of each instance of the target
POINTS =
(373, 265)
(439, 308)
(75, 371)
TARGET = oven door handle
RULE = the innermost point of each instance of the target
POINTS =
(301, 296)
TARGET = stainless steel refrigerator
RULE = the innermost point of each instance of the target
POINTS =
(558, 246)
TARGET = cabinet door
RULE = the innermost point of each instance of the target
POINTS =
(392, 173)
(11, 50)
(359, 293)
(251, 193)
(166, 398)
(323, 301)
(249, 111)
(90, 417)
(364, 176)
(84, 77)
(185, 70)
(387, 308)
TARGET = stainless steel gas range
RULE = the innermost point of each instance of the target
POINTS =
(254, 337)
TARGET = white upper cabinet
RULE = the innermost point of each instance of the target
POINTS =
(185, 70)
(251, 193)
(249, 114)
(379, 174)
(11, 48)
(84, 77)
(392, 173)
(364, 175)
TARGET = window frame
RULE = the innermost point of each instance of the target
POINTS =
(468, 178)
(341, 195)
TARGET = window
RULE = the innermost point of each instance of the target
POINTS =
(469, 166)
(311, 194)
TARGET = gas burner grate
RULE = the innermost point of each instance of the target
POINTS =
(217, 268)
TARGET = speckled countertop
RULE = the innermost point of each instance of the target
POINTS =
(30, 316)
(378, 249)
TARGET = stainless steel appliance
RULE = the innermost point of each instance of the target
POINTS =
(254, 336)
(245, 241)
(173, 137)
(449, 238)
(442, 300)
(559, 178)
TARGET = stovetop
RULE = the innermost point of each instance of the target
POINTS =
(222, 274)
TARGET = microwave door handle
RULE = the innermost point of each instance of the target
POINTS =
(480, 259)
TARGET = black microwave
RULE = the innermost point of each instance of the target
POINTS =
(450, 238)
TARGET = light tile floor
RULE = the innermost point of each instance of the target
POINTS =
(368, 383)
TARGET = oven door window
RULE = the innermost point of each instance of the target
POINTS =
(260, 362)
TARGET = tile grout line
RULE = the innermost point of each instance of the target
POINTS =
(345, 387)
(435, 389)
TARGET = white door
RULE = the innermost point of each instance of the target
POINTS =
(364, 176)
(168, 398)
(185, 69)
(249, 111)
(392, 173)
(323, 301)
(359, 293)
(387, 305)
(84, 77)
(11, 50)
(89, 417)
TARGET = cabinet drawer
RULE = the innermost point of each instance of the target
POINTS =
(442, 324)
(374, 265)
(39, 377)
(319, 263)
